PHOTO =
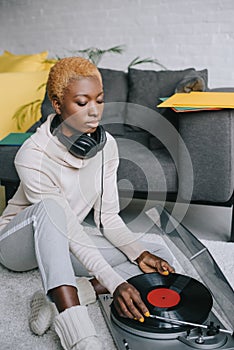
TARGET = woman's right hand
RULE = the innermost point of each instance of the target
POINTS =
(128, 302)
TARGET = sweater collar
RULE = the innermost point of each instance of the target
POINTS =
(53, 148)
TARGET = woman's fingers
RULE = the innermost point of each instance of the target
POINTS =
(118, 309)
(152, 263)
(129, 309)
(128, 302)
(164, 268)
(141, 307)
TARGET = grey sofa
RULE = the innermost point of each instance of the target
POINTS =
(163, 154)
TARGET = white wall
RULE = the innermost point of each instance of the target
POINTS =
(179, 33)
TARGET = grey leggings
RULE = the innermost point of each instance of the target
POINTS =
(34, 238)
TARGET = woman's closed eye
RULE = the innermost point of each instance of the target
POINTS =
(82, 103)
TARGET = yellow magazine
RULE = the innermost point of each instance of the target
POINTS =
(207, 100)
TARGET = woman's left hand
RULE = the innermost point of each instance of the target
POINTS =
(152, 263)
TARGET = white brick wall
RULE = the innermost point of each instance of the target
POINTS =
(179, 33)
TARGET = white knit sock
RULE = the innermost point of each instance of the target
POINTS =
(86, 292)
(75, 329)
(42, 313)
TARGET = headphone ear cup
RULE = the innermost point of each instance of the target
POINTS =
(84, 146)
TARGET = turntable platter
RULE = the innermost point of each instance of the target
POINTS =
(174, 296)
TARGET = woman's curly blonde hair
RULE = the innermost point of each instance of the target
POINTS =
(66, 70)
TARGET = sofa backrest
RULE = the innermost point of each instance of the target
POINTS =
(146, 87)
(136, 87)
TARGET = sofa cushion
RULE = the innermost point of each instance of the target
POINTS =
(115, 85)
(156, 83)
(115, 95)
(146, 171)
(22, 63)
(147, 86)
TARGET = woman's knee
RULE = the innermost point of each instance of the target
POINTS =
(49, 205)
(49, 217)
(51, 209)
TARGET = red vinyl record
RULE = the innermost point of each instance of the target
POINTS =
(174, 296)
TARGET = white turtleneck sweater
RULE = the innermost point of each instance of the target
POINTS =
(47, 170)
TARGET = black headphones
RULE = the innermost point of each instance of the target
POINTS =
(82, 146)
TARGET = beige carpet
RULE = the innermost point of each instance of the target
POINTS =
(17, 288)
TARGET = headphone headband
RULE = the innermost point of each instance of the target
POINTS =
(82, 146)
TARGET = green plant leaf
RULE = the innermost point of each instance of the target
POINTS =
(51, 60)
(29, 110)
(41, 86)
(137, 60)
(36, 110)
(95, 55)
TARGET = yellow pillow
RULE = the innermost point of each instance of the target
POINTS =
(22, 63)
(16, 90)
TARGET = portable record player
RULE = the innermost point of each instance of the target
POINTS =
(186, 311)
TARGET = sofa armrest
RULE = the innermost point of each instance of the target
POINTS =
(8, 175)
(208, 136)
(7, 168)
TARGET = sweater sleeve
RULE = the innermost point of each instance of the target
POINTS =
(107, 209)
(38, 186)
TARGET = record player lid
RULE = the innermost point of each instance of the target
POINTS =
(197, 262)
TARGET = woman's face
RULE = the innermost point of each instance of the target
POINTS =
(82, 106)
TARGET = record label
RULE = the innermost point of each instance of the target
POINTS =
(163, 297)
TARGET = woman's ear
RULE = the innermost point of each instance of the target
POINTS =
(56, 105)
